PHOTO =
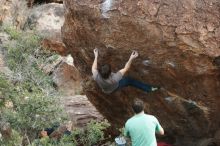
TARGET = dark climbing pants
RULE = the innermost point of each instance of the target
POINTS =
(127, 81)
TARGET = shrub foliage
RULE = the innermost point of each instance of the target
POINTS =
(28, 101)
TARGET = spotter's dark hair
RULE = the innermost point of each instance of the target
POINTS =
(138, 106)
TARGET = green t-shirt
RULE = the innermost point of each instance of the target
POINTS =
(141, 129)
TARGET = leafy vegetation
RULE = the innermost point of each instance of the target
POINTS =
(28, 101)
(90, 135)
(33, 101)
(15, 140)
(93, 133)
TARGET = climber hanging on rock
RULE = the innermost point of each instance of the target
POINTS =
(110, 82)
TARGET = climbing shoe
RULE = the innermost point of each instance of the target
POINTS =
(154, 88)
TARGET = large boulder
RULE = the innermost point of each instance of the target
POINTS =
(80, 110)
(66, 77)
(179, 48)
(47, 19)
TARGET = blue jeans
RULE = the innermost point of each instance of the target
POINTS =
(127, 81)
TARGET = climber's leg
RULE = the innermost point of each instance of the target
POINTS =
(127, 81)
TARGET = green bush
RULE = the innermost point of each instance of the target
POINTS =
(31, 111)
(26, 58)
(15, 140)
(14, 34)
(30, 90)
(93, 133)
(35, 104)
(5, 90)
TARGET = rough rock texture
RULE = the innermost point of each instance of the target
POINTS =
(68, 82)
(55, 46)
(179, 48)
(67, 77)
(47, 19)
(80, 110)
(13, 12)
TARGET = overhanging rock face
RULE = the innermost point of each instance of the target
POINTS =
(179, 47)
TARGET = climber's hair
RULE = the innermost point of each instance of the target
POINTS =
(138, 106)
(105, 71)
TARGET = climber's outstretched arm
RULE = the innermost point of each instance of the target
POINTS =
(94, 66)
(134, 55)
